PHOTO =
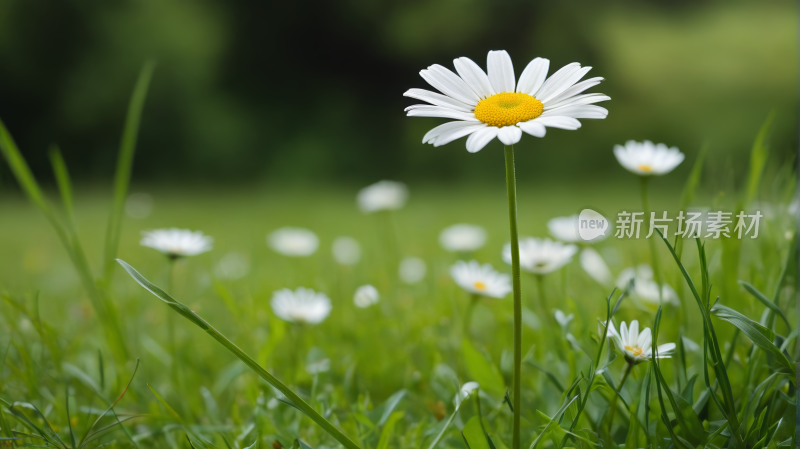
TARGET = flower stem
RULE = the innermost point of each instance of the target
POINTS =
(614, 398)
(542, 299)
(652, 241)
(511, 192)
(473, 300)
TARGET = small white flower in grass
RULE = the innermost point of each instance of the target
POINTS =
(294, 242)
(566, 228)
(302, 305)
(480, 279)
(563, 319)
(346, 250)
(464, 392)
(232, 266)
(176, 242)
(634, 345)
(383, 195)
(648, 159)
(412, 270)
(541, 256)
(365, 296)
(462, 238)
(491, 105)
(594, 265)
(642, 272)
(647, 291)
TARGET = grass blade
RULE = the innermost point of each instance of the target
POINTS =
(764, 300)
(758, 160)
(63, 181)
(235, 350)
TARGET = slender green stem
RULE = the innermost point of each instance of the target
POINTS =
(511, 192)
(173, 346)
(614, 398)
(473, 300)
(651, 241)
(545, 310)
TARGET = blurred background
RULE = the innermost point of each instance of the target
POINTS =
(311, 92)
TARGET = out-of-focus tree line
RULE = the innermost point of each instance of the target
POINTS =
(312, 91)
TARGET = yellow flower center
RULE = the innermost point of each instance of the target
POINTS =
(480, 285)
(507, 109)
(645, 167)
(636, 351)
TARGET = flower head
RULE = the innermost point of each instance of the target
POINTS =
(302, 305)
(491, 105)
(563, 319)
(648, 159)
(462, 238)
(365, 296)
(566, 228)
(176, 242)
(645, 289)
(346, 250)
(295, 242)
(541, 256)
(383, 195)
(594, 265)
(412, 270)
(480, 279)
(636, 346)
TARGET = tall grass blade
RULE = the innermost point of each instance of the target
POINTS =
(764, 300)
(758, 160)
(62, 179)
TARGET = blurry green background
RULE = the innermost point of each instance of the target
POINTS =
(277, 92)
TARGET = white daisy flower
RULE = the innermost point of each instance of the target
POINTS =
(176, 242)
(296, 242)
(541, 256)
(566, 228)
(642, 272)
(594, 265)
(480, 279)
(346, 250)
(233, 265)
(383, 195)
(647, 291)
(462, 238)
(647, 159)
(412, 270)
(365, 296)
(634, 345)
(302, 305)
(495, 105)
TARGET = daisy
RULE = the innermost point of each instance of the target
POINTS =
(636, 346)
(232, 266)
(541, 256)
(647, 291)
(412, 270)
(383, 195)
(365, 296)
(295, 242)
(302, 305)
(346, 250)
(566, 228)
(642, 272)
(491, 105)
(648, 159)
(594, 265)
(462, 238)
(176, 242)
(481, 280)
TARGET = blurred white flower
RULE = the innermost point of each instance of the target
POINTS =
(296, 242)
(485, 106)
(365, 296)
(346, 250)
(541, 256)
(646, 158)
(139, 205)
(233, 265)
(647, 291)
(566, 228)
(383, 195)
(412, 270)
(563, 319)
(318, 366)
(302, 305)
(465, 391)
(176, 242)
(462, 238)
(594, 265)
(480, 279)
(634, 345)
(642, 272)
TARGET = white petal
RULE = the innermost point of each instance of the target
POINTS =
(578, 111)
(666, 349)
(438, 99)
(564, 84)
(555, 79)
(509, 135)
(431, 135)
(501, 71)
(576, 89)
(423, 110)
(633, 334)
(449, 84)
(480, 138)
(453, 134)
(577, 100)
(558, 121)
(533, 128)
(474, 76)
(533, 76)
(645, 339)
